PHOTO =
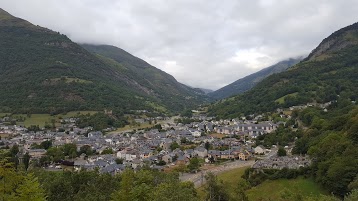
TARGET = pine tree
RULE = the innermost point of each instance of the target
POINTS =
(30, 190)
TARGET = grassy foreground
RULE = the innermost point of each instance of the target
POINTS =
(269, 190)
(230, 179)
(273, 188)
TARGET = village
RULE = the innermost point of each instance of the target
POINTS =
(169, 145)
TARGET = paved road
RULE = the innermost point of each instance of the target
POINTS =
(198, 178)
(269, 155)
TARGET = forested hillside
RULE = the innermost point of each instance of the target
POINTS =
(244, 84)
(45, 72)
(331, 141)
(329, 72)
(153, 81)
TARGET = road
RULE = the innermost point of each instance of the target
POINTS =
(272, 153)
(198, 178)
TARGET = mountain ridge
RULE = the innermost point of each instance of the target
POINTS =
(48, 73)
(324, 76)
(246, 83)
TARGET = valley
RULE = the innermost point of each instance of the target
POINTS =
(83, 121)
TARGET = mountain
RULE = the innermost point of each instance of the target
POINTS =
(205, 91)
(328, 73)
(246, 83)
(43, 71)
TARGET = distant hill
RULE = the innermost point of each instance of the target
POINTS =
(246, 83)
(206, 91)
(329, 72)
(43, 71)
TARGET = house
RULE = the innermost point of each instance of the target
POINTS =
(145, 154)
(37, 153)
(214, 154)
(226, 155)
(201, 152)
(140, 121)
(260, 149)
(244, 155)
(168, 158)
(182, 160)
(80, 163)
(96, 134)
(195, 133)
(290, 162)
(136, 163)
(113, 169)
(225, 130)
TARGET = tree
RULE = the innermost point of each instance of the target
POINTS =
(212, 159)
(174, 146)
(215, 189)
(86, 149)
(46, 144)
(187, 113)
(30, 190)
(174, 191)
(126, 186)
(207, 145)
(55, 154)
(281, 151)
(70, 150)
(242, 186)
(119, 160)
(158, 126)
(26, 160)
(14, 150)
(194, 164)
(18, 186)
(161, 163)
(107, 151)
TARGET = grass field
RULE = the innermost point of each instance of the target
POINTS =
(37, 119)
(230, 179)
(4, 114)
(282, 99)
(132, 127)
(272, 189)
(42, 119)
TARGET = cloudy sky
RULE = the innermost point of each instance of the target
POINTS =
(201, 43)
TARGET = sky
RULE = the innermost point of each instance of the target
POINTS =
(206, 44)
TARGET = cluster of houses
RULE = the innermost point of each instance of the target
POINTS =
(247, 128)
(323, 106)
(290, 162)
(147, 147)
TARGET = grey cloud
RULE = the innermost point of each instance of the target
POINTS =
(202, 43)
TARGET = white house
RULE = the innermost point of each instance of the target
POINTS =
(195, 133)
(259, 149)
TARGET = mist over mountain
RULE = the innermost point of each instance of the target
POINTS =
(244, 84)
(329, 72)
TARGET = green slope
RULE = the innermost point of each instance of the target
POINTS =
(330, 71)
(42, 71)
(155, 82)
(244, 84)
